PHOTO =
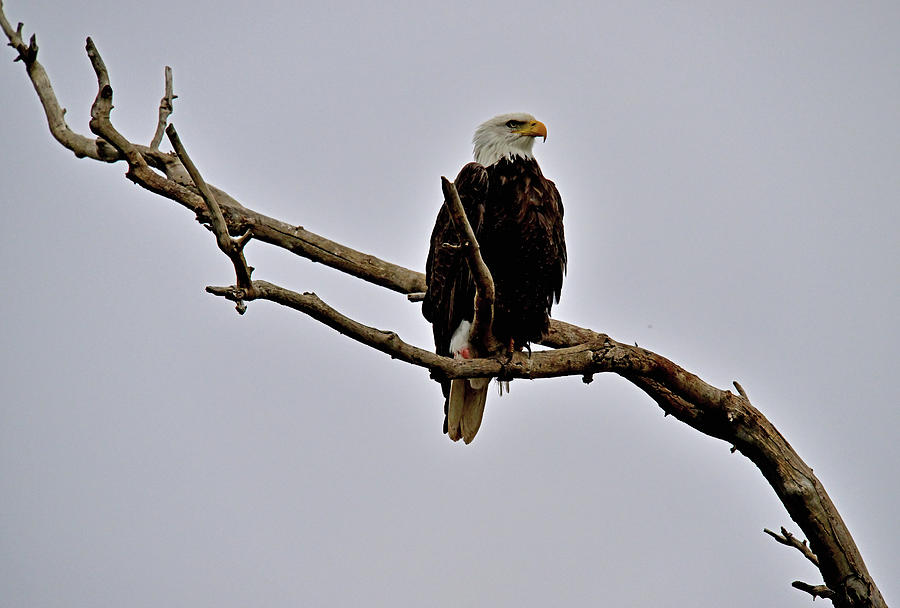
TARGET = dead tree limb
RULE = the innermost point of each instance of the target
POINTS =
(786, 538)
(166, 107)
(576, 350)
(230, 246)
(814, 590)
(481, 333)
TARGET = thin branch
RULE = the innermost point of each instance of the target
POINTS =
(232, 247)
(138, 169)
(786, 538)
(310, 304)
(140, 172)
(100, 123)
(541, 364)
(815, 590)
(166, 107)
(27, 53)
(740, 389)
(481, 333)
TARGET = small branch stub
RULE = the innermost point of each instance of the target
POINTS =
(788, 539)
(232, 247)
(27, 54)
(814, 590)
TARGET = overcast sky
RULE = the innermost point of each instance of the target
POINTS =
(730, 177)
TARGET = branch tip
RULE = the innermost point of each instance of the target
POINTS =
(788, 539)
(27, 53)
(166, 107)
(814, 590)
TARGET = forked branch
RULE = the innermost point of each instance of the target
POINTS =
(233, 247)
(786, 538)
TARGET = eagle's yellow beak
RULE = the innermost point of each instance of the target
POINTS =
(534, 128)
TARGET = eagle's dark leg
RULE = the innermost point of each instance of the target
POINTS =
(513, 347)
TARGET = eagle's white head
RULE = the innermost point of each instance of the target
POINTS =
(507, 136)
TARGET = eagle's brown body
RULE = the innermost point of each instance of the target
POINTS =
(523, 244)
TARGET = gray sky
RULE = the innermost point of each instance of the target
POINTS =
(731, 185)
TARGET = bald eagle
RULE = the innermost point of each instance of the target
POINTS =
(516, 214)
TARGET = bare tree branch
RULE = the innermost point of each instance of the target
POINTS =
(543, 364)
(481, 333)
(292, 238)
(577, 350)
(166, 107)
(786, 538)
(814, 590)
(232, 247)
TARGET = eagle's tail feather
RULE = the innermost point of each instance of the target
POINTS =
(465, 407)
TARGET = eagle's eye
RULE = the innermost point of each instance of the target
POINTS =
(514, 124)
